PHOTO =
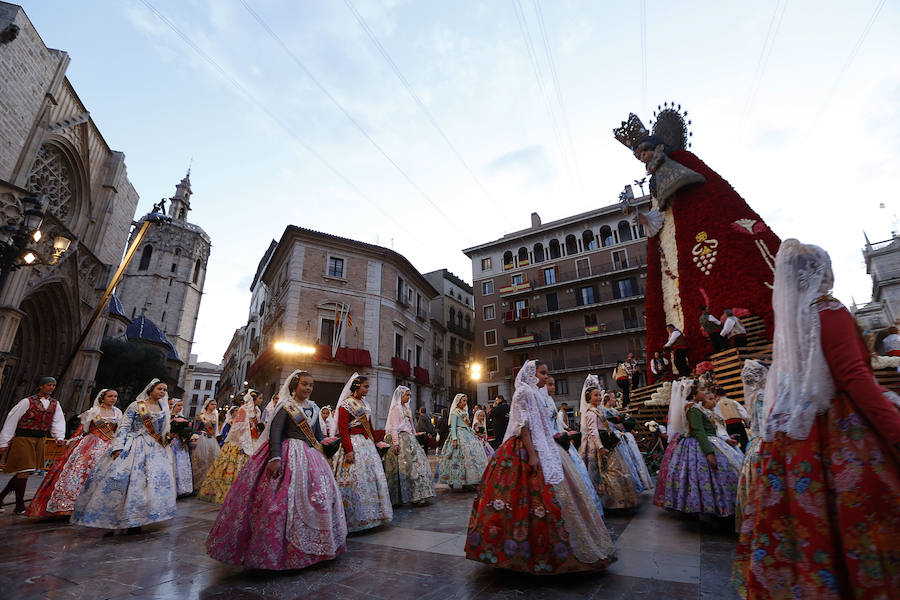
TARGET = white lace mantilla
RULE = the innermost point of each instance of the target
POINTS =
(528, 409)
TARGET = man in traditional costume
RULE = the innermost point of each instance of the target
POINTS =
(706, 246)
(713, 329)
(733, 330)
(679, 347)
(24, 434)
(734, 415)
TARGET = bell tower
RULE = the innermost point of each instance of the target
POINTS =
(180, 203)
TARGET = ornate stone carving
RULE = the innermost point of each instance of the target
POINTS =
(52, 175)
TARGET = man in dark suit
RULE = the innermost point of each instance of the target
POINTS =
(499, 420)
(443, 428)
(424, 425)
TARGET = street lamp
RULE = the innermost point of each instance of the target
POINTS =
(21, 233)
(292, 348)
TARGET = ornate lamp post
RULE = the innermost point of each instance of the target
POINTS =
(21, 236)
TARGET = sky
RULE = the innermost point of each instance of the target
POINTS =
(289, 113)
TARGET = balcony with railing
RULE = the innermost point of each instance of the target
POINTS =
(575, 274)
(521, 314)
(603, 297)
(462, 331)
(458, 358)
(564, 335)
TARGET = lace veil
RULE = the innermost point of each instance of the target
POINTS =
(454, 407)
(94, 411)
(590, 381)
(395, 413)
(753, 376)
(164, 402)
(527, 409)
(800, 384)
(345, 393)
(676, 422)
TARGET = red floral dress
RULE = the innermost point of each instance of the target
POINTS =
(60, 488)
(824, 521)
(517, 521)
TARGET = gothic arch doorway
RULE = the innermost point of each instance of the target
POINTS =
(43, 343)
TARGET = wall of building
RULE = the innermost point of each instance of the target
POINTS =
(304, 296)
(51, 147)
(579, 312)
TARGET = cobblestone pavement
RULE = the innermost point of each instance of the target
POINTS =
(419, 555)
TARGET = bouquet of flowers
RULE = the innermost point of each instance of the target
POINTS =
(181, 428)
(330, 446)
(382, 447)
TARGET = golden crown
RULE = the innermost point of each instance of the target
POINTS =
(631, 132)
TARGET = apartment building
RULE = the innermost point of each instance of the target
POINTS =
(569, 292)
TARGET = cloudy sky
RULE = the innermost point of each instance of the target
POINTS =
(293, 114)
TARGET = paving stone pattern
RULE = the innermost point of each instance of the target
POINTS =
(420, 555)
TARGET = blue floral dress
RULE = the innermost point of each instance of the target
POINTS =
(464, 464)
(136, 488)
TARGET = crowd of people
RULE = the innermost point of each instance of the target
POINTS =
(808, 466)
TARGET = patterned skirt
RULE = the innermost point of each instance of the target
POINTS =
(659, 496)
(203, 454)
(824, 520)
(520, 522)
(610, 475)
(408, 474)
(572, 453)
(692, 487)
(464, 464)
(747, 482)
(364, 490)
(637, 468)
(64, 480)
(181, 463)
(288, 522)
(222, 473)
(135, 489)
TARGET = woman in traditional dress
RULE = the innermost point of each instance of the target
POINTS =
(204, 447)
(325, 422)
(753, 376)
(462, 459)
(533, 512)
(133, 484)
(704, 469)
(680, 389)
(65, 479)
(241, 443)
(479, 427)
(406, 467)
(570, 452)
(357, 465)
(181, 456)
(824, 518)
(637, 468)
(607, 468)
(284, 510)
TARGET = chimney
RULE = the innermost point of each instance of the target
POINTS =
(535, 220)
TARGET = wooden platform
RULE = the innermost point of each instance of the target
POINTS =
(727, 366)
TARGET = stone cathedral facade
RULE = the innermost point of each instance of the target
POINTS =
(51, 148)
(164, 282)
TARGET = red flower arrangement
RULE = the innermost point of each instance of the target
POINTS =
(736, 270)
(703, 367)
